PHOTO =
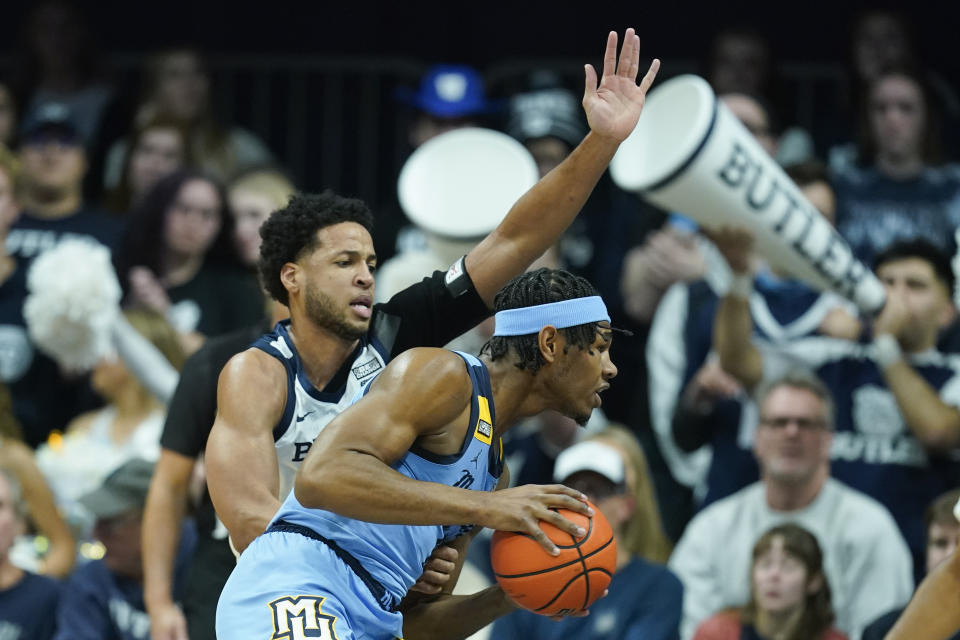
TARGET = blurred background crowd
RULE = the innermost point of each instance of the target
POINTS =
(779, 468)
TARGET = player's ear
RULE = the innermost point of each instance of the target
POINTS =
(290, 277)
(548, 341)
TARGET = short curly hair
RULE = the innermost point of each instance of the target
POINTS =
(292, 231)
(540, 287)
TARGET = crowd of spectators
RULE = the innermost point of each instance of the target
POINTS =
(774, 464)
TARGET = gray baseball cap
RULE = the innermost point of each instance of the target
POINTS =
(124, 490)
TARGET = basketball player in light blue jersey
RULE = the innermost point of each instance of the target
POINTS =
(416, 461)
(318, 258)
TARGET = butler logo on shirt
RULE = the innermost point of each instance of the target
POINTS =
(367, 368)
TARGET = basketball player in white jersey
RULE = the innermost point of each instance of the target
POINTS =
(317, 257)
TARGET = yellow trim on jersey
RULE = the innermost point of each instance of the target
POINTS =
(483, 431)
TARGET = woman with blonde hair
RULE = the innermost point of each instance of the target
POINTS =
(645, 598)
(128, 426)
(789, 593)
(253, 195)
(643, 534)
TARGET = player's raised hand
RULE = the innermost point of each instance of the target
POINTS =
(614, 106)
(522, 508)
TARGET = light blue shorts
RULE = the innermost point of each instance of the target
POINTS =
(287, 586)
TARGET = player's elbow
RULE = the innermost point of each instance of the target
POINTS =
(316, 484)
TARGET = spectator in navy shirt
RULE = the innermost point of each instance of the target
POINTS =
(103, 600)
(53, 166)
(901, 190)
(27, 600)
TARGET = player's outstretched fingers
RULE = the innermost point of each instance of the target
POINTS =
(627, 66)
(649, 77)
(610, 55)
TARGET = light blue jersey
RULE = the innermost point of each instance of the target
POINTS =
(336, 577)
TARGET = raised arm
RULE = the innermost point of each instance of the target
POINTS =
(935, 423)
(242, 471)
(422, 395)
(543, 213)
(733, 326)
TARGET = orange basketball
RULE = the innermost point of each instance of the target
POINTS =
(560, 584)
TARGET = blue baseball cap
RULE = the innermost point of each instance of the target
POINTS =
(448, 91)
(50, 116)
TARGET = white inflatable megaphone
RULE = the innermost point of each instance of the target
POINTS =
(691, 155)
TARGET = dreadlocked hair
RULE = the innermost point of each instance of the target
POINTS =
(530, 289)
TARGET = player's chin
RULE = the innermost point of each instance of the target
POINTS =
(360, 325)
(582, 418)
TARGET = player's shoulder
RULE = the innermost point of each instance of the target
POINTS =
(428, 372)
(253, 367)
(430, 361)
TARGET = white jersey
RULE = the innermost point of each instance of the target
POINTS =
(308, 410)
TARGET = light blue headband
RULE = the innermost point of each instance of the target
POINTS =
(566, 313)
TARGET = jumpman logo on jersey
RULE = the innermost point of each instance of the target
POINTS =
(475, 458)
(304, 416)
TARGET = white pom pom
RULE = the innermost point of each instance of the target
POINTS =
(73, 302)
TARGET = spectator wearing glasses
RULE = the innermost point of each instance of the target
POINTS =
(866, 560)
(898, 397)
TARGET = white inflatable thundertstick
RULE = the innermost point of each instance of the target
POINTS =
(456, 188)
(690, 154)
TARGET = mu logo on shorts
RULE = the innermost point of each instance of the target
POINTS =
(299, 618)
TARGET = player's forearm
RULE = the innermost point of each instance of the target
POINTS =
(359, 486)
(455, 617)
(933, 613)
(538, 218)
(164, 512)
(935, 423)
(732, 331)
(244, 483)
